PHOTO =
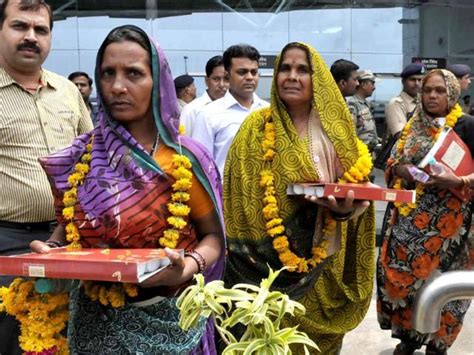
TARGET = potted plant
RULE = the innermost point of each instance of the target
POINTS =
(258, 309)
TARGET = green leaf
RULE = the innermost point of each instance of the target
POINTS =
(254, 346)
(241, 346)
(302, 338)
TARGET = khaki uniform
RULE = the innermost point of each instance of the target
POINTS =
(396, 112)
(361, 111)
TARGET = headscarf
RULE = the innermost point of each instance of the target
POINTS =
(422, 124)
(115, 148)
(118, 157)
(323, 291)
(293, 162)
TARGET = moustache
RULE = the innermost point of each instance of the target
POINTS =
(28, 45)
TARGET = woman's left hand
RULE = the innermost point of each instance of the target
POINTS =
(341, 206)
(444, 180)
(177, 273)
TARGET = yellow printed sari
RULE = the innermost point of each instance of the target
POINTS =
(337, 292)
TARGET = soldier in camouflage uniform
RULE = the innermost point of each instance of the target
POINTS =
(361, 109)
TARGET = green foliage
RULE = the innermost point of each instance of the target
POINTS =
(258, 309)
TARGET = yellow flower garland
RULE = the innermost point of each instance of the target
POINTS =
(70, 197)
(451, 119)
(42, 317)
(274, 223)
(177, 207)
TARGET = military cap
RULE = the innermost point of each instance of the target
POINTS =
(459, 69)
(182, 81)
(367, 75)
(413, 69)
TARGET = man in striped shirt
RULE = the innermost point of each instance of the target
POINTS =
(40, 112)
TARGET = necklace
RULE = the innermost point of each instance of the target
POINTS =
(155, 145)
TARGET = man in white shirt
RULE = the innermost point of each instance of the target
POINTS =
(217, 85)
(218, 122)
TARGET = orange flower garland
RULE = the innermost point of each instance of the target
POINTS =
(70, 197)
(451, 119)
(271, 213)
(42, 317)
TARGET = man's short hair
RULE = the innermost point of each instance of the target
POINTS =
(76, 74)
(27, 5)
(212, 63)
(342, 69)
(239, 51)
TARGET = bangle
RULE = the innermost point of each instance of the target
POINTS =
(199, 259)
(342, 217)
(54, 243)
(466, 183)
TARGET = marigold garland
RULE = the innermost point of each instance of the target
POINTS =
(109, 293)
(177, 207)
(271, 213)
(70, 197)
(42, 317)
(362, 167)
(451, 119)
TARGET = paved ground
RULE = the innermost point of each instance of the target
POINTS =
(369, 339)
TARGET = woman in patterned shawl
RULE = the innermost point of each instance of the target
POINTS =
(433, 234)
(124, 202)
(306, 135)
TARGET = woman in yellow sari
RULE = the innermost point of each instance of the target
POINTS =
(306, 135)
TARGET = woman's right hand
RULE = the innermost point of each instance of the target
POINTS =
(403, 171)
(58, 236)
(38, 246)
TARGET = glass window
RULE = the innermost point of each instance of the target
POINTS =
(197, 31)
(376, 30)
(62, 62)
(64, 34)
(93, 30)
(328, 30)
(265, 31)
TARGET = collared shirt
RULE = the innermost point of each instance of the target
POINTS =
(181, 104)
(361, 111)
(396, 112)
(32, 126)
(190, 111)
(94, 112)
(218, 122)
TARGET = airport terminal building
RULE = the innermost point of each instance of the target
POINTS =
(380, 35)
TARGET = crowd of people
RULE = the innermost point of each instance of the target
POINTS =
(218, 190)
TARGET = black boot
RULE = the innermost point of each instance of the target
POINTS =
(404, 349)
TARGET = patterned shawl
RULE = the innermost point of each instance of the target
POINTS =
(336, 300)
(123, 175)
(418, 144)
